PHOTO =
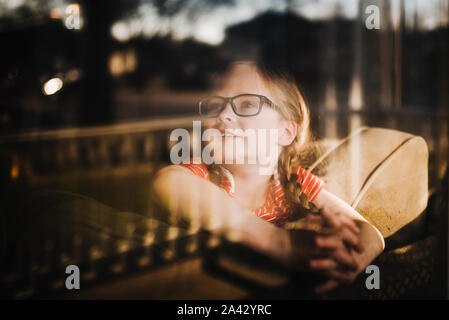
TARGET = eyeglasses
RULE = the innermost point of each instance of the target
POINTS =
(243, 105)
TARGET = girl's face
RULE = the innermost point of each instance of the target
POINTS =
(244, 79)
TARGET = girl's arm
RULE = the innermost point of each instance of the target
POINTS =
(187, 197)
(190, 198)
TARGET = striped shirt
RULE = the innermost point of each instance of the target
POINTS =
(311, 185)
(276, 208)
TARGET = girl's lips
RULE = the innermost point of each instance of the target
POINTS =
(231, 136)
(228, 133)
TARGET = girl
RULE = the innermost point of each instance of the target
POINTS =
(234, 199)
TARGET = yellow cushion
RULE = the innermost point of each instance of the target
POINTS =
(382, 173)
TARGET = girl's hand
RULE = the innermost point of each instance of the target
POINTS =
(344, 262)
(320, 242)
(344, 229)
(338, 276)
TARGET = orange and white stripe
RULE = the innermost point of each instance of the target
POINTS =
(276, 208)
(311, 185)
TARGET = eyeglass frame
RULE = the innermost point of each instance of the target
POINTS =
(263, 100)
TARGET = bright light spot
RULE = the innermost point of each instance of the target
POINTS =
(12, 4)
(116, 64)
(122, 62)
(395, 9)
(317, 10)
(52, 86)
(355, 96)
(210, 28)
(153, 24)
(55, 13)
(326, 9)
(73, 8)
(349, 9)
(429, 14)
(210, 33)
(14, 172)
(120, 31)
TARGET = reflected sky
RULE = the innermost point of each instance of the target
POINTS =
(209, 24)
(206, 21)
(205, 24)
(11, 8)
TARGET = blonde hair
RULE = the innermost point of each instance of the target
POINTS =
(292, 106)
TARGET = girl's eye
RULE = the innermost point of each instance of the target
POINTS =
(247, 104)
(214, 106)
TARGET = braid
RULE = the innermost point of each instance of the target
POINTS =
(298, 153)
(215, 173)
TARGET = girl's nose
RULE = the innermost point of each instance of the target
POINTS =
(227, 114)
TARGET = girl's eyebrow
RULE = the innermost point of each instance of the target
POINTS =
(239, 93)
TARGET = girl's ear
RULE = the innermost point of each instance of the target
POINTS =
(287, 132)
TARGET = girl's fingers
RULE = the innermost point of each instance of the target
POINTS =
(339, 220)
(352, 240)
(350, 224)
(331, 218)
(337, 259)
(323, 264)
(344, 260)
(325, 242)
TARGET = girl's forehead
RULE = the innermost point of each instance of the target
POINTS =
(241, 79)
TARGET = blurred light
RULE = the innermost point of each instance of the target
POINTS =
(120, 31)
(355, 96)
(395, 9)
(210, 28)
(116, 64)
(55, 13)
(73, 8)
(73, 75)
(123, 246)
(206, 26)
(330, 96)
(209, 32)
(130, 60)
(122, 62)
(52, 86)
(95, 253)
(148, 238)
(430, 14)
(12, 4)
(14, 172)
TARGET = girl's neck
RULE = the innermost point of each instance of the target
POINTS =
(251, 187)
